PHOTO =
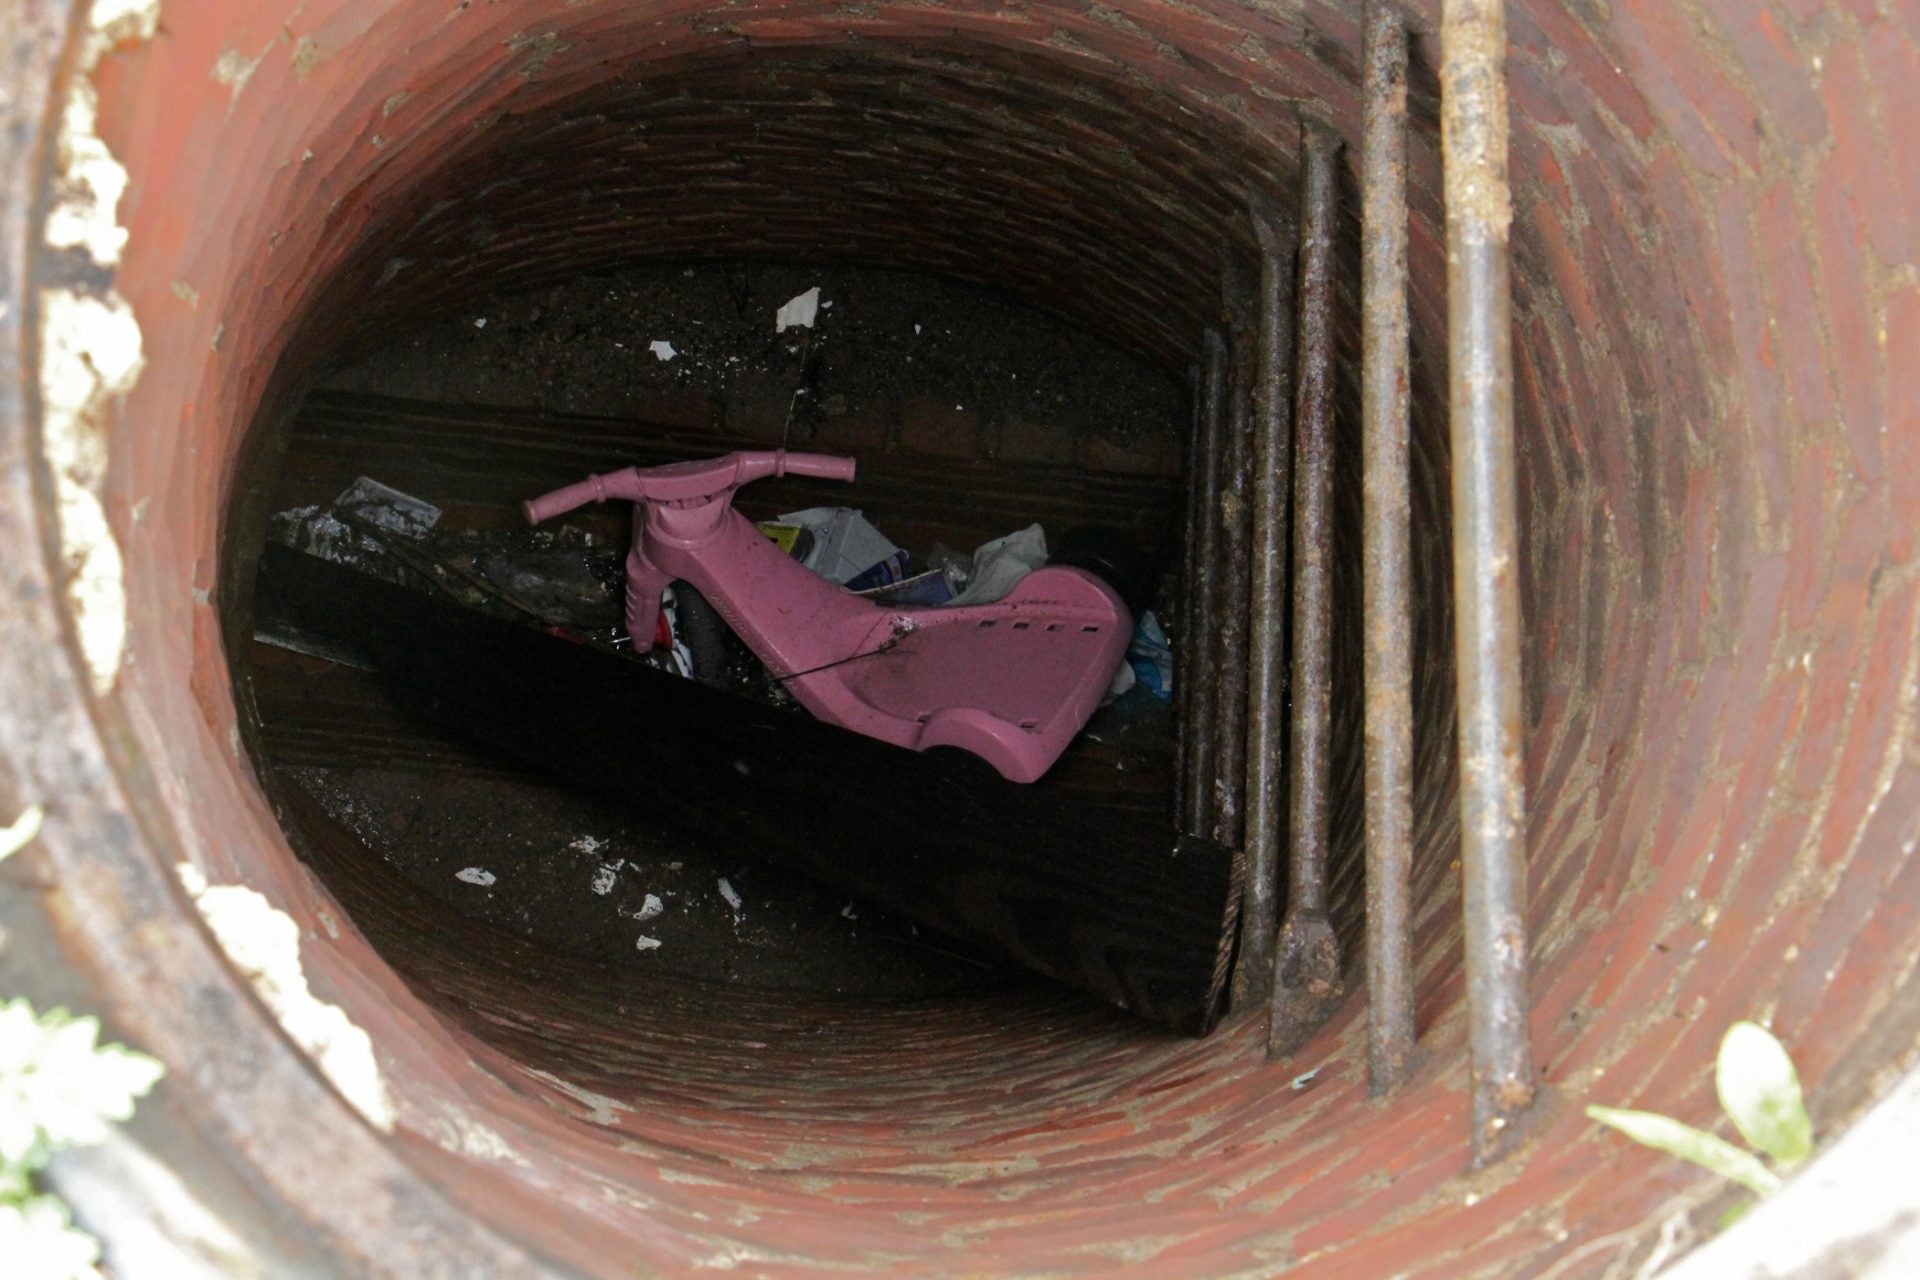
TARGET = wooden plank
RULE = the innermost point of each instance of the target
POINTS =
(478, 460)
(1106, 900)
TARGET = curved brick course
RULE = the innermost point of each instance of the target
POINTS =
(1718, 346)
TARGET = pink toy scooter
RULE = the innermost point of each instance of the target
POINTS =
(1012, 681)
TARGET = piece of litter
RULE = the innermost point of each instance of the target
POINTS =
(586, 844)
(476, 875)
(731, 894)
(644, 943)
(662, 349)
(798, 311)
(388, 508)
(845, 544)
(650, 908)
(1304, 1079)
(604, 878)
(481, 323)
(916, 328)
(849, 912)
(999, 565)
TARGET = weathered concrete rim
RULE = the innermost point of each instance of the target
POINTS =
(1855, 1211)
(134, 943)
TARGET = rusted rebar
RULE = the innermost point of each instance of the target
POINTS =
(1485, 567)
(1201, 729)
(1385, 520)
(1270, 493)
(1189, 558)
(1235, 573)
(1306, 974)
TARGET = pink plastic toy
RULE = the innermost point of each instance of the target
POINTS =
(1012, 681)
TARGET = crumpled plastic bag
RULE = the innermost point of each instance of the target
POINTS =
(999, 565)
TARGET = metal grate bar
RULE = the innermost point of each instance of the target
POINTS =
(1306, 975)
(1235, 571)
(1385, 523)
(1486, 567)
(1270, 493)
(1201, 726)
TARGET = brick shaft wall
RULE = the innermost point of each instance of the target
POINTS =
(1718, 325)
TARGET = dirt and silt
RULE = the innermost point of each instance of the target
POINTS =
(893, 364)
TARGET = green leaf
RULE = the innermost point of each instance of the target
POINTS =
(15, 1184)
(1761, 1094)
(1663, 1133)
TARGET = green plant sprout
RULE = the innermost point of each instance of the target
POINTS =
(1760, 1092)
(59, 1088)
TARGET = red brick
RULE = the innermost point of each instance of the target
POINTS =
(864, 426)
(1771, 60)
(1751, 313)
(1795, 307)
(1159, 456)
(1869, 167)
(1845, 909)
(1588, 64)
(1869, 734)
(1688, 243)
(1846, 297)
(1814, 482)
(1900, 362)
(939, 427)
(1023, 440)
(1708, 115)
(692, 410)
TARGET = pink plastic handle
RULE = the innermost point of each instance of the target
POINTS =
(826, 466)
(572, 497)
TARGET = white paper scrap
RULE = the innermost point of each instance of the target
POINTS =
(650, 908)
(798, 312)
(476, 875)
(662, 349)
(999, 565)
(608, 873)
(731, 894)
(644, 943)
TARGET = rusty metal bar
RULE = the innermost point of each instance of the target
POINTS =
(1385, 521)
(1485, 567)
(1235, 572)
(1189, 558)
(1270, 494)
(1306, 973)
(1201, 729)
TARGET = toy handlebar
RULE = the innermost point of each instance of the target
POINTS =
(561, 501)
(826, 466)
(687, 482)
